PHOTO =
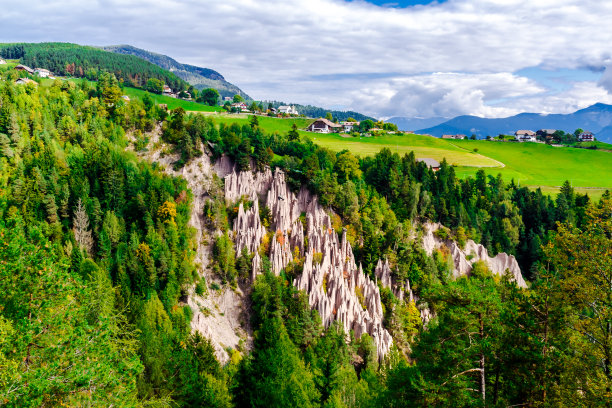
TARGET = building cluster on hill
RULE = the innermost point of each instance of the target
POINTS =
(323, 125)
(167, 91)
(548, 135)
(458, 136)
(40, 72)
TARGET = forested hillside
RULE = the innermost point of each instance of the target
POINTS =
(199, 77)
(97, 261)
(88, 62)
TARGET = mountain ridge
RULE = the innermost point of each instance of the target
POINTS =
(596, 118)
(199, 77)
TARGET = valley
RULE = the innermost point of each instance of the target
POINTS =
(156, 251)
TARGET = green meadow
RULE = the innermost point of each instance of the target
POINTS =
(172, 102)
(422, 146)
(529, 164)
(270, 124)
(540, 165)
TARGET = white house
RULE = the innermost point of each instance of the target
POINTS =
(322, 125)
(167, 91)
(41, 72)
(241, 105)
(525, 135)
(2, 61)
(289, 110)
(349, 126)
(586, 137)
(125, 98)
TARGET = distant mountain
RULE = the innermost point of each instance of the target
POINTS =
(407, 123)
(596, 118)
(199, 77)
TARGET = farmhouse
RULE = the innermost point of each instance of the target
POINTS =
(25, 81)
(126, 98)
(322, 125)
(289, 110)
(43, 73)
(24, 68)
(2, 62)
(431, 163)
(241, 106)
(525, 135)
(586, 137)
(349, 126)
(546, 134)
(453, 136)
(167, 91)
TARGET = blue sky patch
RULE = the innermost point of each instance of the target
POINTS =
(559, 79)
(401, 3)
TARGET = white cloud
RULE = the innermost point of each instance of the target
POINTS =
(446, 94)
(278, 50)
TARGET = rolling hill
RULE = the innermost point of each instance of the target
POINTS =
(529, 164)
(596, 118)
(200, 78)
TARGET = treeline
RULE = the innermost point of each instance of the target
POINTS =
(78, 61)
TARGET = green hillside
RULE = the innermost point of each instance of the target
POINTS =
(536, 164)
(530, 164)
(172, 102)
(79, 61)
(199, 77)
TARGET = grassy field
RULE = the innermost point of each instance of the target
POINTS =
(423, 146)
(536, 164)
(268, 123)
(529, 164)
(172, 102)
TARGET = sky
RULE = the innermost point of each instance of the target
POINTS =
(414, 58)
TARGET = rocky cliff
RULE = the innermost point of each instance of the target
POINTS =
(463, 259)
(337, 288)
